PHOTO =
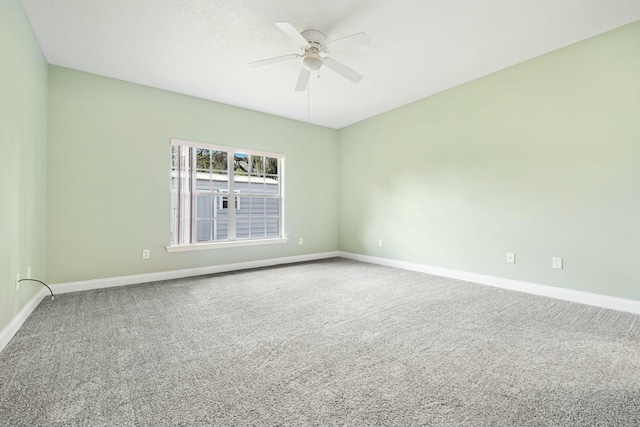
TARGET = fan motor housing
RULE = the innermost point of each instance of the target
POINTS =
(314, 37)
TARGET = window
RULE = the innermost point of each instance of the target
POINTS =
(224, 194)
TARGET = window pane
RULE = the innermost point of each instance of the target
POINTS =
(203, 230)
(204, 181)
(257, 207)
(242, 228)
(219, 160)
(243, 206)
(241, 163)
(202, 159)
(272, 206)
(273, 227)
(257, 227)
(241, 184)
(257, 185)
(271, 184)
(203, 207)
(271, 165)
(257, 165)
(221, 230)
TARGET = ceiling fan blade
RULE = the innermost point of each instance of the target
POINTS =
(274, 60)
(343, 70)
(289, 30)
(303, 80)
(346, 42)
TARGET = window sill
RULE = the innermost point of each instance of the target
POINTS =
(232, 244)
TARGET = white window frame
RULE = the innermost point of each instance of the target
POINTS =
(233, 200)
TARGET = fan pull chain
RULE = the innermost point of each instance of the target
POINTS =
(309, 103)
(309, 100)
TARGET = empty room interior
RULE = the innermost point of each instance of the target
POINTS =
(320, 213)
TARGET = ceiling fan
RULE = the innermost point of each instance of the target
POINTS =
(314, 46)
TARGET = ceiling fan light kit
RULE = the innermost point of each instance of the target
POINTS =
(314, 45)
(311, 61)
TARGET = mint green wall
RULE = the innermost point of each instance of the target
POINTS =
(23, 144)
(541, 159)
(109, 176)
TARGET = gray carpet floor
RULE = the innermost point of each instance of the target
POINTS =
(332, 342)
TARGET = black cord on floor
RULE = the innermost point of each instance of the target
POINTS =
(39, 281)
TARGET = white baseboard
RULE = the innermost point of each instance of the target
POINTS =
(85, 285)
(12, 327)
(604, 301)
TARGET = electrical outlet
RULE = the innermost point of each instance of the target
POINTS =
(146, 254)
(511, 258)
(380, 243)
(301, 241)
(17, 281)
(556, 263)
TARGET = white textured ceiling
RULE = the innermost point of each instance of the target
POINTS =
(418, 47)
